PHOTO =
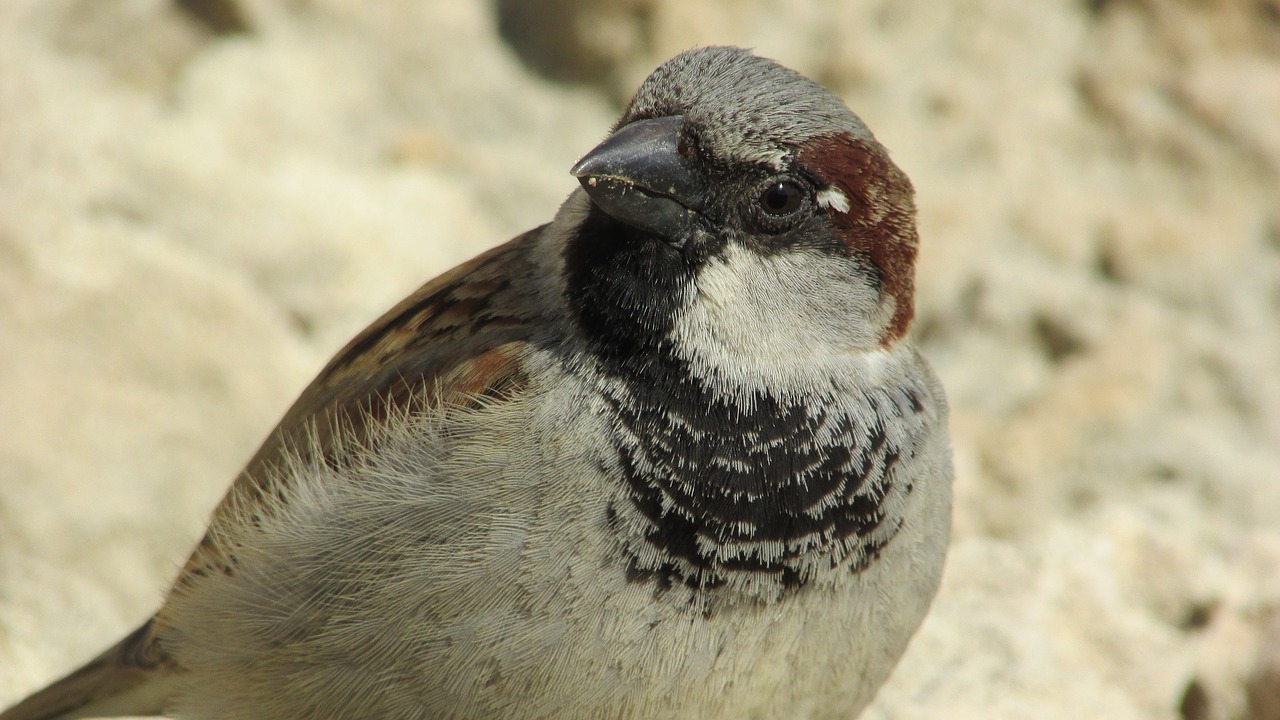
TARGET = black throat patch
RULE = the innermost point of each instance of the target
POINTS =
(749, 490)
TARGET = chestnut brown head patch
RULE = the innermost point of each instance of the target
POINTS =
(874, 212)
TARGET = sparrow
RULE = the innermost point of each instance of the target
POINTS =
(670, 455)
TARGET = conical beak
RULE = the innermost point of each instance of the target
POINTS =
(638, 176)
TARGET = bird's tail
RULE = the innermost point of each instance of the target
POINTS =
(133, 677)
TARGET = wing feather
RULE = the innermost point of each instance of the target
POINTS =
(459, 339)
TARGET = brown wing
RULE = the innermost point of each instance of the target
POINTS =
(459, 337)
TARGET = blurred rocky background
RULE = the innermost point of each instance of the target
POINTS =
(201, 200)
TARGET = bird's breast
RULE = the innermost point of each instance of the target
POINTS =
(759, 493)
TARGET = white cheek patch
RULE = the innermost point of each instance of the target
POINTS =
(772, 320)
(833, 198)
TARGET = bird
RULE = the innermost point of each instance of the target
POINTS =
(672, 454)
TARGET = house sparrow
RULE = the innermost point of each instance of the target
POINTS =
(670, 455)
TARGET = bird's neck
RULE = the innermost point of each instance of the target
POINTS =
(758, 489)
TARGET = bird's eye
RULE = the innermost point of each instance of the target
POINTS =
(781, 198)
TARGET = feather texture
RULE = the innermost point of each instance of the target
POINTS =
(622, 466)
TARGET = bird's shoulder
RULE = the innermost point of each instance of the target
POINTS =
(462, 339)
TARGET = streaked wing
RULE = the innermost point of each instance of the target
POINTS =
(459, 337)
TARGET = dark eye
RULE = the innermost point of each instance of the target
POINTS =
(781, 198)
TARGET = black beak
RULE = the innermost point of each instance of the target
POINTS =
(638, 176)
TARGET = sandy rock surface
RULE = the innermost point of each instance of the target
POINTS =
(201, 200)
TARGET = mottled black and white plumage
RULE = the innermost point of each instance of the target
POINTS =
(669, 455)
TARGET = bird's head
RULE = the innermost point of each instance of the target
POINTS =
(740, 210)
